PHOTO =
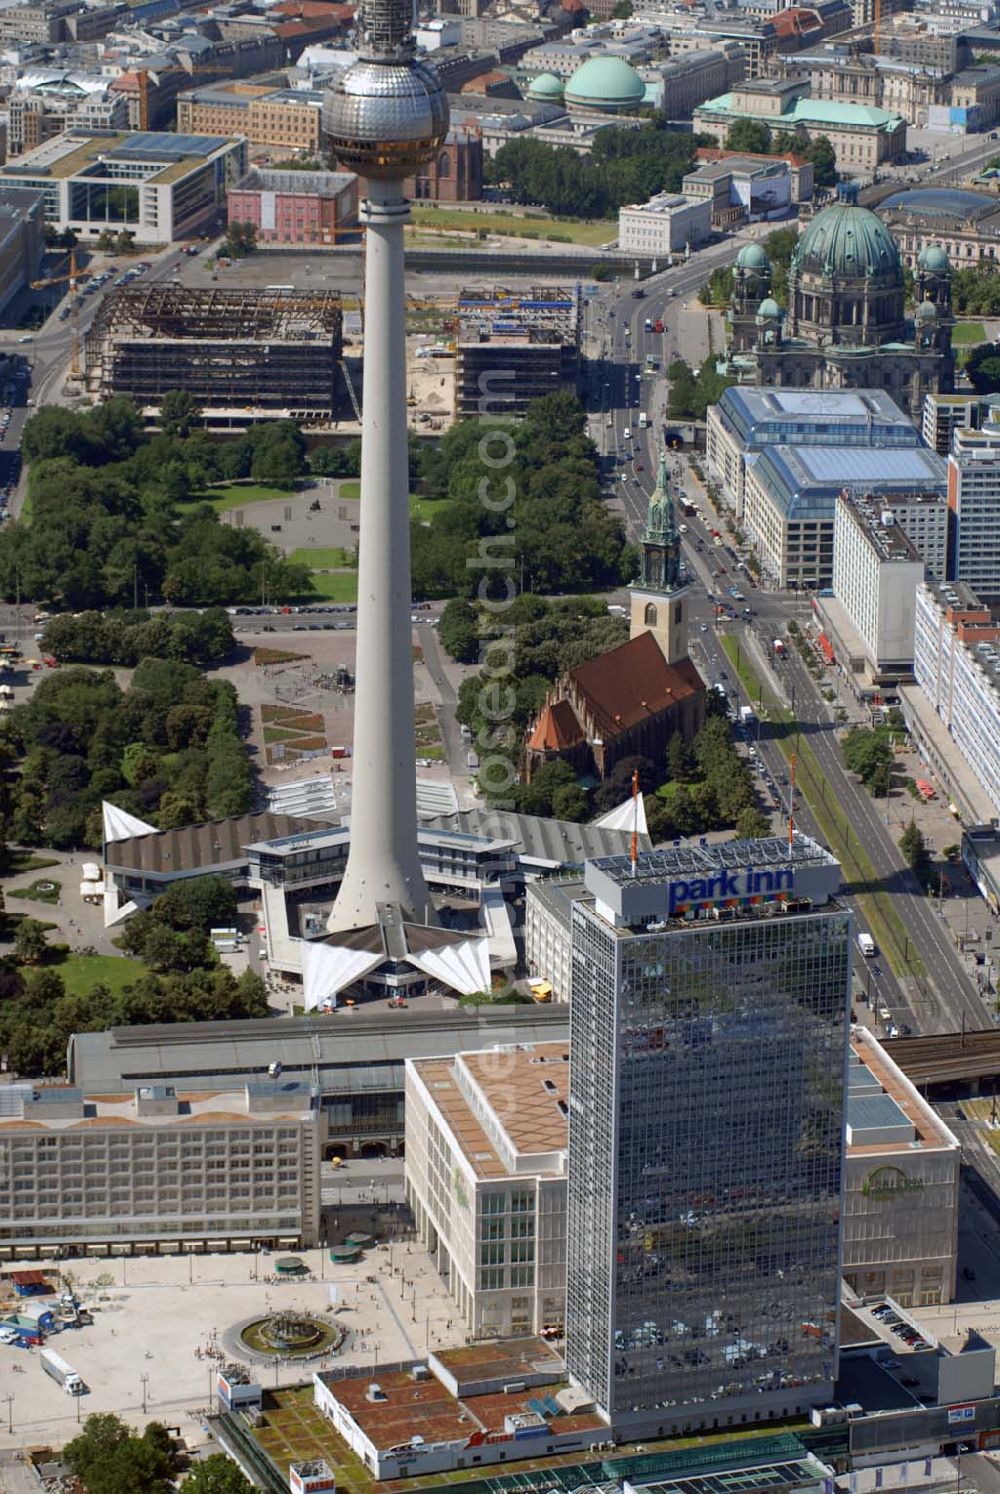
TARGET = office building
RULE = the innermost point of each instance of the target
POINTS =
(548, 914)
(901, 1181)
(244, 355)
(876, 571)
(846, 324)
(956, 661)
(202, 1170)
(944, 414)
(974, 500)
(748, 420)
(158, 186)
(512, 347)
(22, 241)
(791, 496)
(486, 1180)
(862, 136)
(666, 224)
(295, 207)
(38, 112)
(285, 118)
(708, 1045)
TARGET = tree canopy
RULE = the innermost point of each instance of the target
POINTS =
(555, 530)
(167, 749)
(216, 1474)
(624, 166)
(983, 368)
(126, 637)
(106, 524)
(110, 1459)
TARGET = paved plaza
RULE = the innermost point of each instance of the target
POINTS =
(160, 1323)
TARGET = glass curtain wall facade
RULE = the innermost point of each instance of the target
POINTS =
(705, 1164)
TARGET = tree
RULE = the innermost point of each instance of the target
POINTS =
(677, 758)
(569, 802)
(199, 903)
(30, 945)
(751, 824)
(102, 1434)
(983, 368)
(622, 11)
(216, 1475)
(458, 631)
(914, 849)
(125, 242)
(820, 152)
(180, 413)
(749, 135)
(869, 754)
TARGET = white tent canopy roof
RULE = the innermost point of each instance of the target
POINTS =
(628, 816)
(326, 970)
(120, 825)
(465, 967)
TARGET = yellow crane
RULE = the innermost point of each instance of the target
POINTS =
(74, 276)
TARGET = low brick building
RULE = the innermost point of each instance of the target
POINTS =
(295, 207)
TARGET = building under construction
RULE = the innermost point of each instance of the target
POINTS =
(513, 346)
(244, 355)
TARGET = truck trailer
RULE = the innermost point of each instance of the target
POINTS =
(60, 1371)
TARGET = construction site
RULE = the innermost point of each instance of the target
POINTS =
(244, 355)
(519, 345)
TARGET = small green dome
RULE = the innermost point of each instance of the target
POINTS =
(849, 242)
(545, 86)
(934, 259)
(752, 257)
(768, 308)
(607, 83)
(927, 312)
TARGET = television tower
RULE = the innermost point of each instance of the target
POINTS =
(383, 117)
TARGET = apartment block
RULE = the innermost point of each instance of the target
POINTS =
(876, 572)
(486, 1180)
(159, 1166)
(956, 661)
(974, 500)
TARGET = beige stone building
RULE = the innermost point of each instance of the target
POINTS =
(285, 118)
(486, 1137)
(901, 1185)
(159, 1167)
(862, 135)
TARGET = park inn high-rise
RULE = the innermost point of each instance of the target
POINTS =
(708, 1049)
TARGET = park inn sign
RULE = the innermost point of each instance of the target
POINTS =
(728, 887)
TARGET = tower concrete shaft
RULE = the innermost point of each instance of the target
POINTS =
(383, 863)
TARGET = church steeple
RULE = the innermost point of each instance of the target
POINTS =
(659, 594)
(660, 563)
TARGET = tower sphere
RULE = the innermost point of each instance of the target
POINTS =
(385, 119)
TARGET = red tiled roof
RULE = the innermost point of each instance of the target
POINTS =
(633, 682)
(794, 20)
(556, 729)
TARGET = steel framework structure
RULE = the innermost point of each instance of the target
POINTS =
(259, 351)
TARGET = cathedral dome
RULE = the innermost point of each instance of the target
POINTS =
(768, 308)
(847, 242)
(934, 259)
(753, 259)
(927, 312)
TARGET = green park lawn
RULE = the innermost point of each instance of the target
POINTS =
(327, 560)
(968, 334)
(336, 586)
(517, 225)
(420, 508)
(81, 972)
(236, 495)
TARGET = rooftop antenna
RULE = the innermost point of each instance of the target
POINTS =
(635, 820)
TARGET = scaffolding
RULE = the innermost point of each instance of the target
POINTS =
(264, 353)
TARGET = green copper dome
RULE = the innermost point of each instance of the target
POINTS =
(927, 312)
(752, 257)
(606, 83)
(545, 86)
(768, 307)
(934, 259)
(850, 243)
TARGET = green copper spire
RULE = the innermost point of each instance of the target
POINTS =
(661, 548)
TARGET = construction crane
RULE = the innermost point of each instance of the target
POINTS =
(74, 277)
